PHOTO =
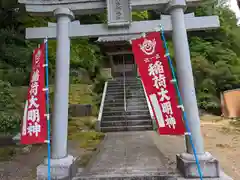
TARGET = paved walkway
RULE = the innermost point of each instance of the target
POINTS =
(127, 154)
(131, 155)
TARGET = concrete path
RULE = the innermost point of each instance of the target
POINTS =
(127, 154)
(137, 155)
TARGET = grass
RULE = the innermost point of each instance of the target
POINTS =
(82, 131)
(75, 93)
(7, 153)
(78, 94)
(83, 161)
(82, 94)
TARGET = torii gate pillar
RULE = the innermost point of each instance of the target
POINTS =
(184, 72)
(186, 161)
(61, 90)
(61, 162)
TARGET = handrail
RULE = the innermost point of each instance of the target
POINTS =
(124, 86)
(102, 102)
(148, 103)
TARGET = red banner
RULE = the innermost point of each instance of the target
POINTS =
(157, 80)
(34, 123)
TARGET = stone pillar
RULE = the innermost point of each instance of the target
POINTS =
(60, 113)
(62, 164)
(186, 161)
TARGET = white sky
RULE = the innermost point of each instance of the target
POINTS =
(234, 7)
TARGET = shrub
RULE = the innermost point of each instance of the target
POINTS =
(9, 118)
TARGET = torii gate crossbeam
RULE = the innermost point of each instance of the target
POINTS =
(81, 7)
(97, 30)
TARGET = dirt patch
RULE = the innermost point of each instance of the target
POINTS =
(22, 165)
(222, 139)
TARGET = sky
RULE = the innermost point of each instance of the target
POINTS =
(234, 7)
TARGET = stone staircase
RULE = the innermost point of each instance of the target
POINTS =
(134, 116)
(126, 155)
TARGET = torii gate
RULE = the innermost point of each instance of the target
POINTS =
(119, 18)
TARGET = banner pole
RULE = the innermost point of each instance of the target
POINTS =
(181, 102)
(47, 108)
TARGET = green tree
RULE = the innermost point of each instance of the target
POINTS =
(215, 57)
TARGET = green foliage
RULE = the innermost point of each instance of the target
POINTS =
(81, 130)
(85, 55)
(9, 117)
(15, 57)
(215, 58)
(16, 53)
(98, 89)
(99, 84)
(139, 15)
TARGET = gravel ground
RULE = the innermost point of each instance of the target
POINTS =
(221, 139)
(23, 166)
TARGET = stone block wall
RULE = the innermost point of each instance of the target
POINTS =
(80, 110)
(106, 72)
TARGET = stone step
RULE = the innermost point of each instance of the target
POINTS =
(122, 113)
(127, 96)
(132, 100)
(127, 78)
(129, 177)
(121, 88)
(135, 96)
(115, 92)
(116, 101)
(121, 104)
(114, 104)
(112, 97)
(122, 81)
(126, 123)
(127, 92)
(136, 108)
(134, 91)
(135, 100)
(110, 85)
(126, 128)
(126, 82)
(114, 88)
(128, 108)
(134, 88)
(123, 117)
